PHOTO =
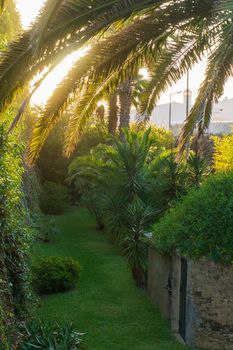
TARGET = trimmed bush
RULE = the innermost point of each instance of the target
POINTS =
(202, 224)
(50, 335)
(55, 274)
(54, 198)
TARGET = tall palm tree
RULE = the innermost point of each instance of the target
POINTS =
(112, 113)
(2, 2)
(125, 97)
(175, 34)
(118, 184)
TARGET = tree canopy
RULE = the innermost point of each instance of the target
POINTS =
(122, 35)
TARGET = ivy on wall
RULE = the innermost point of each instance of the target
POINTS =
(14, 240)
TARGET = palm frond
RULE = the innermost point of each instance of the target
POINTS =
(42, 24)
(177, 57)
(104, 58)
(219, 69)
(63, 29)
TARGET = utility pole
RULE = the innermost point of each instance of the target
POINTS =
(187, 111)
(170, 109)
(187, 97)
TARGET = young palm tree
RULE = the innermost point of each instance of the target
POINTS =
(118, 186)
(173, 34)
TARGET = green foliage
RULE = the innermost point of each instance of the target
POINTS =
(54, 198)
(10, 25)
(50, 335)
(130, 185)
(55, 274)
(52, 165)
(223, 153)
(173, 178)
(118, 181)
(161, 139)
(15, 235)
(170, 182)
(92, 136)
(201, 225)
(198, 169)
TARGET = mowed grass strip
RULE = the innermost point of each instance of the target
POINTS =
(107, 306)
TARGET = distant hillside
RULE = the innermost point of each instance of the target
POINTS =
(221, 122)
(215, 128)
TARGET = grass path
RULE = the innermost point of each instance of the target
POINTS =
(107, 306)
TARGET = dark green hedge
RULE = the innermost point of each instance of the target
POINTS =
(54, 198)
(202, 224)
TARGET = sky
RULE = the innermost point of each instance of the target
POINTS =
(29, 10)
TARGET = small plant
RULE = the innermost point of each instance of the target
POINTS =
(55, 274)
(50, 335)
(197, 169)
(47, 230)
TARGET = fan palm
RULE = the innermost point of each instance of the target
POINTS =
(173, 34)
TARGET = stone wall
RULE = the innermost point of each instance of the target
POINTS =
(209, 299)
(212, 296)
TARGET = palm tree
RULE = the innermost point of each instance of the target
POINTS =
(118, 188)
(112, 113)
(2, 2)
(173, 34)
(125, 97)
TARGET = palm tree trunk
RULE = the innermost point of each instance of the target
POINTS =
(125, 95)
(100, 113)
(112, 114)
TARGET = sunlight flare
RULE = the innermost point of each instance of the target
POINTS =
(50, 83)
(28, 11)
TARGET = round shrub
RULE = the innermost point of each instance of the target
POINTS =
(55, 274)
(202, 224)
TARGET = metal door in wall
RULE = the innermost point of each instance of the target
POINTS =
(183, 296)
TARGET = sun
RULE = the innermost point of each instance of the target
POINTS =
(28, 12)
(50, 83)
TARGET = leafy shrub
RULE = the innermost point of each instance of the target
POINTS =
(55, 274)
(50, 335)
(223, 153)
(170, 182)
(202, 224)
(54, 198)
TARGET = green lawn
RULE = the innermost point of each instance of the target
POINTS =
(107, 306)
